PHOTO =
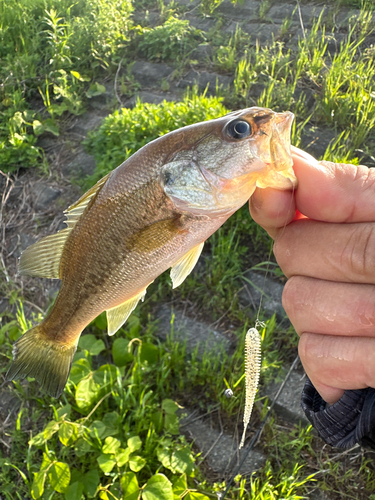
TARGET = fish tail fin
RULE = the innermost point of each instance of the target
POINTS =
(48, 361)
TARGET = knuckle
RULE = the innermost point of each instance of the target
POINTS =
(357, 254)
(290, 294)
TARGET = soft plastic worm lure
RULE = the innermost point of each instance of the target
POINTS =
(252, 372)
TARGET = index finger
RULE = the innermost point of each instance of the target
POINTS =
(334, 192)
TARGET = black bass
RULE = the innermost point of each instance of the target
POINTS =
(153, 212)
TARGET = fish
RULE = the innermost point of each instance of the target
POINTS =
(152, 213)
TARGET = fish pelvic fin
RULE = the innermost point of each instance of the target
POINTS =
(116, 316)
(183, 267)
(42, 259)
(48, 361)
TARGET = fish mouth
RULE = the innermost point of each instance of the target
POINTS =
(279, 173)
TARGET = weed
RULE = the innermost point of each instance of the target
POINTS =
(208, 7)
(51, 51)
(264, 8)
(174, 39)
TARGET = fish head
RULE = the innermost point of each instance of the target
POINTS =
(226, 159)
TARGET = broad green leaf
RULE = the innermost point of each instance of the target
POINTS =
(112, 422)
(82, 447)
(37, 488)
(164, 456)
(10, 324)
(129, 485)
(195, 495)
(59, 476)
(80, 369)
(122, 456)
(120, 353)
(79, 76)
(46, 462)
(38, 127)
(64, 411)
(87, 393)
(95, 89)
(136, 463)
(180, 486)
(169, 406)
(134, 325)
(17, 119)
(101, 321)
(158, 487)
(91, 482)
(111, 445)
(182, 461)
(68, 433)
(50, 126)
(106, 463)
(134, 443)
(50, 429)
(171, 423)
(149, 353)
(97, 428)
(91, 344)
(74, 491)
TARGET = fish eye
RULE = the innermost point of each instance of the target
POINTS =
(239, 129)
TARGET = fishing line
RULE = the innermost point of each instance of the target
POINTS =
(252, 369)
(257, 435)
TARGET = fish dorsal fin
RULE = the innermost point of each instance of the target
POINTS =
(43, 258)
(117, 316)
(183, 267)
(74, 212)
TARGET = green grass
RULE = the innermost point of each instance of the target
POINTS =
(52, 52)
(173, 40)
(342, 84)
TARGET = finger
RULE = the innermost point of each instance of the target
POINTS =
(326, 307)
(346, 362)
(333, 192)
(272, 209)
(338, 252)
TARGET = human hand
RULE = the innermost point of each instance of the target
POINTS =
(328, 254)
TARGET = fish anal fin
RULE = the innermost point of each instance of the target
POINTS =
(183, 267)
(116, 316)
(42, 259)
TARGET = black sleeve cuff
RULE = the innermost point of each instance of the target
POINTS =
(349, 421)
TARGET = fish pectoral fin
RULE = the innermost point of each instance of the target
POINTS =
(43, 258)
(116, 316)
(183, 267)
